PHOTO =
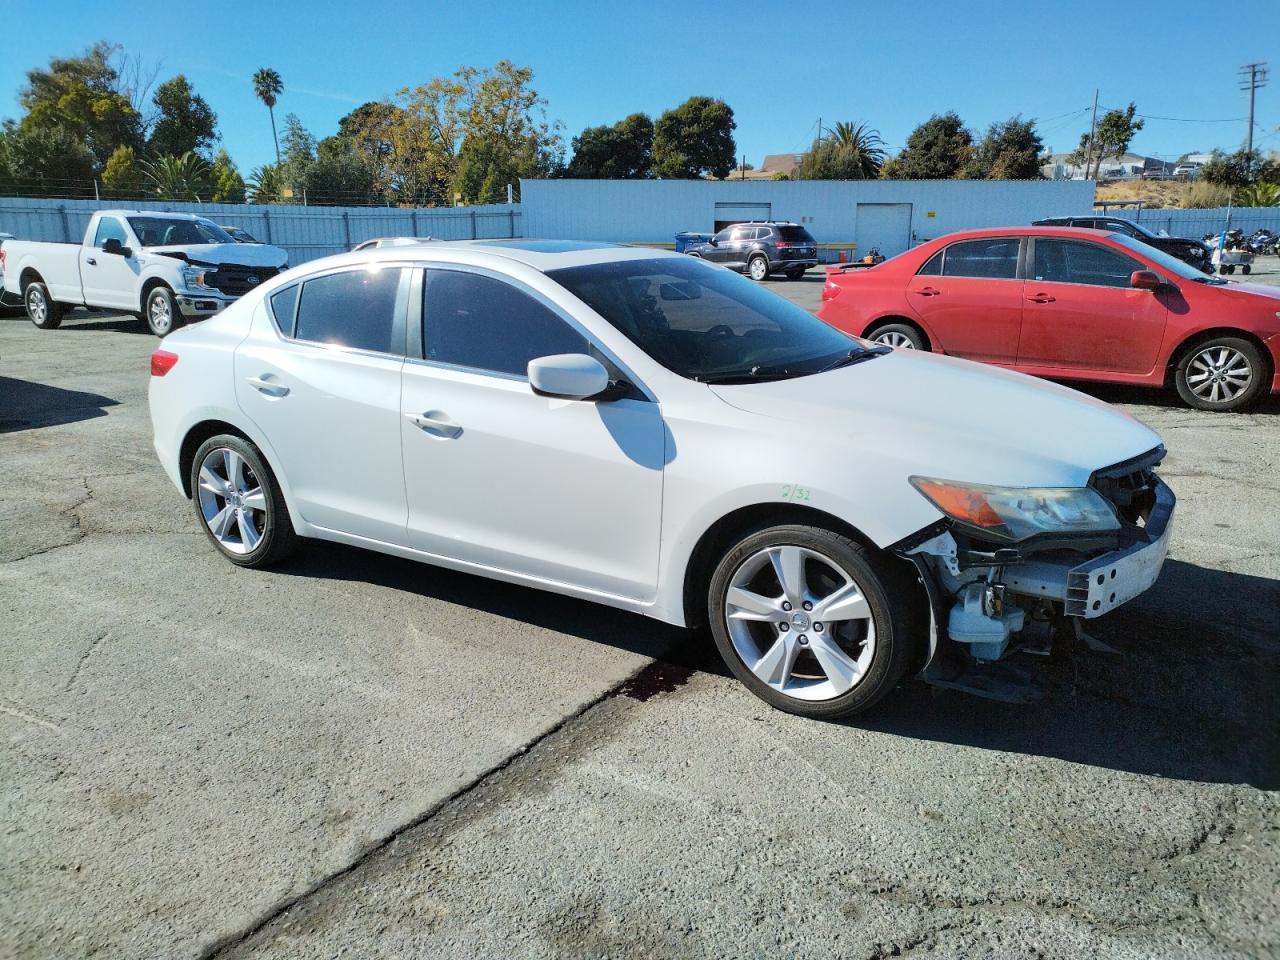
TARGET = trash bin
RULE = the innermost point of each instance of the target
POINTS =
(688, 239)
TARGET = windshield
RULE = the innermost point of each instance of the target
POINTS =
(705, 322)
(1161, 259)
(167, 232)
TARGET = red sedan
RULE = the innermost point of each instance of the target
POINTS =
(1070, 304)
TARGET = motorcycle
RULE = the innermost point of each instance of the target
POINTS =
(1263, 242)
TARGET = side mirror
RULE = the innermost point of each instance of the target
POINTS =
(116, 248)
(1144, 280)
(714, 242)
(569, 376)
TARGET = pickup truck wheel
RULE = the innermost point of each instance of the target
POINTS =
(811, 621)
(42, 309)
(758, 268)
(1225, 373)
(162, 312)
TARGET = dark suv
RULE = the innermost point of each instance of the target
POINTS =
(1194, 252)
(761, 248)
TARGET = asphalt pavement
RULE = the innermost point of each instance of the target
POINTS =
(360, 756)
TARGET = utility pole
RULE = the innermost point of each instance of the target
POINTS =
(1252, 77)
(1093, 126)
(819, 128)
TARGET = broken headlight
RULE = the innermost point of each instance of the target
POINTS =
(1016, 513)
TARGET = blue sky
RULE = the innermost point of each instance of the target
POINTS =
(888, 64)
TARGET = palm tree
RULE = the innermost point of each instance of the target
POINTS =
(264, 184)
(178, 178)
(267, 87)
(861, 145)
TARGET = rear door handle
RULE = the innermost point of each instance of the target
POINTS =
(90, 261)
(928, 292)
(269, 387)
(439, 425)
(1042, 298)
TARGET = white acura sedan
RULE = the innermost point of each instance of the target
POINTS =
(655, 433)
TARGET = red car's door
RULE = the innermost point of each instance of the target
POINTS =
(1081, 312)
(970, 299)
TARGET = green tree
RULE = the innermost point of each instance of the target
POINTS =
(267, 87)
(339, 175)
(623, 151)
(370, 132)
(265, 184)
(1237, 169)
(184, 123)
(228, 185)
(850, 152)
(1010, 151)
(938, 149)
(178, 178)
(1259, 194)
(694, 140)
(1114, 132)
(299, 155)
(80, 96)
(123, 177)
(48, 162)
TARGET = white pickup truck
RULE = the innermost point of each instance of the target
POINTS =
(168, 268)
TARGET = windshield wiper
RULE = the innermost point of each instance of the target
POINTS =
(754, 375)
(856, 355)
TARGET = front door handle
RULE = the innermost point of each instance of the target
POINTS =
(439, 425)
(1042, 298)
(269, 387)
(90, 261)
(928, 292)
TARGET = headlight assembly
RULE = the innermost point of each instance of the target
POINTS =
(194, 278)
(1016, 513)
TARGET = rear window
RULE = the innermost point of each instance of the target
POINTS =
(992, 259)
(356, 308)
(795, 234)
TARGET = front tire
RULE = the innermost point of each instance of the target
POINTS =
(42, 309)
(239, 504)
(811, 621)
(1222, 374)
(758, 268)
(161, 311)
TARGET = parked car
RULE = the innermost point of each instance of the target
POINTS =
(1195, 252)
(647, 431)
(760, 249)
(167, 267)
(1187, 171)
(240, 235)
(379, 242)
(1070, 304)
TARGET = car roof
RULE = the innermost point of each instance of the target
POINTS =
(541, 255)
(1031, 231)
(153, 213)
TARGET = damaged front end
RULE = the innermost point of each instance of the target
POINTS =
(1007, 571)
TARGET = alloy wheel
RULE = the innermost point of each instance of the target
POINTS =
(232, 501)
(1219, 374)
(160, 313)
(896, 339)
(37, 306)
(800, 623)
(758, 268)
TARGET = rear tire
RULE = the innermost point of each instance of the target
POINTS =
(758, 268)
(901, 336)
(42, 309)
(161, 311)
(1222, 374)
(239, 504)
(795, 273)
(779, 649)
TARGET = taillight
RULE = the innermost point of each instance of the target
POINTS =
(830, 291)
(782, 244)
(162, 361)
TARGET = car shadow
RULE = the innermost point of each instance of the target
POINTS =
(81, 321)
(1122, 393)
(1189, 694)
(26, 405)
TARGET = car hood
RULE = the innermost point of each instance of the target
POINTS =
(1250, 290)
(248, 254)
(952, 419)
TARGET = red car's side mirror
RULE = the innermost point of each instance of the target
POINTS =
(1144, 280)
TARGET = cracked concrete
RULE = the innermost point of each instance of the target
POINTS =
(360, 756)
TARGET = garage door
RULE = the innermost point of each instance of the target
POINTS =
(729, 213)
(884, 226)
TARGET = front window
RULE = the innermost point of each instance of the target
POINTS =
(109, 228)
(1077, 261)
(1164, 261)
(707, 323)
(169, 232)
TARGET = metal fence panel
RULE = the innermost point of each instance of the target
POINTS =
(1198, 223)
(305, 232)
